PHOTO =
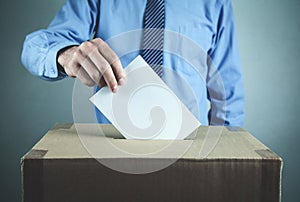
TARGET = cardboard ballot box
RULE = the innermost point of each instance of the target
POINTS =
(237, 167)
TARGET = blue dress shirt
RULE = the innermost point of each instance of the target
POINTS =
(207, 23)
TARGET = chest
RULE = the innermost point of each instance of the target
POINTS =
(193, 19)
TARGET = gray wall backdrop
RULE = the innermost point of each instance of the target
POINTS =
(268, 32)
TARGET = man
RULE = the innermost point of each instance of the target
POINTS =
(74, 45)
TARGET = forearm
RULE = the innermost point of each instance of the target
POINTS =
(39, 55)
(41, 48)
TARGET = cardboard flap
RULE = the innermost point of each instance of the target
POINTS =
(63, 141)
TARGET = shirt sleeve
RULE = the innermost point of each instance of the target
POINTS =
(72, 25)
(224, 78)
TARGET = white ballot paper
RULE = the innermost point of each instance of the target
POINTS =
(145, 107)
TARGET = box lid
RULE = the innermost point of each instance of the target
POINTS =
(208, 142)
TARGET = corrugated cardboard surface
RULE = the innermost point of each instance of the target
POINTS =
(239, 168)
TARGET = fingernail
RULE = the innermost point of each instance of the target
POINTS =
(121, 82)
(115, 89)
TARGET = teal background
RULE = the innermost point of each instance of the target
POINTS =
(268, 32)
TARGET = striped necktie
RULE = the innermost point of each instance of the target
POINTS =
(153, 41)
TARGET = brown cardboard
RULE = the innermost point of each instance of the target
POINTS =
(239, 168)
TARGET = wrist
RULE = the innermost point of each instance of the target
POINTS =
(63, 56)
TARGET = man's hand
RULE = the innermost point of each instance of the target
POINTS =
(93, 62)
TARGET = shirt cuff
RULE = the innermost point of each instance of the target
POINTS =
(51, 70)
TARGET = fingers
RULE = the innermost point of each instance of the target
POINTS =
(93, 62)
(101, 61)
(75, 70)
(89, 67)
(119, 72)
(112, 58)
(98, 66)
(85, 78)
